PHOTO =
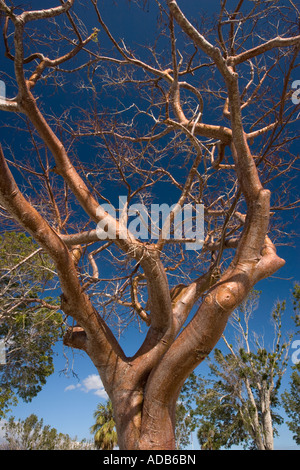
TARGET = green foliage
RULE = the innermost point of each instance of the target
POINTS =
(296, 295)
(291, 397)
(185, 420)
(30, 323)
(183, 426)
(218, 415)
(211, 412)
(291, 403)
(209, 437)
(105, 435)
(95, 34)
(31, 434)
(227, 406)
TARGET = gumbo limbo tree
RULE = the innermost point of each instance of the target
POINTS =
(161, 103)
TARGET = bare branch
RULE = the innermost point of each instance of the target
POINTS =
(261, 49)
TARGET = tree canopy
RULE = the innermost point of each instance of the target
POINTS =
(32, 434)
(105, 436)
(30, 322)
(291, 397)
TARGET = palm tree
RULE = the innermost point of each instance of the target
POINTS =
(105, 435)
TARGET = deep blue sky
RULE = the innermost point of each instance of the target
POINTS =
(68, 402)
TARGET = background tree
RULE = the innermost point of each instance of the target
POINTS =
(240, 403)
(32, 434)
(183, 426)
(30, 323)
(105, 436)
(291, 397)
(178, 120)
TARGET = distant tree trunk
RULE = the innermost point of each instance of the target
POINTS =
(267, 424)
(254, 418)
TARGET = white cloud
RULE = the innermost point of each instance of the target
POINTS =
(101, 393)
(72, 387)
(92, 383)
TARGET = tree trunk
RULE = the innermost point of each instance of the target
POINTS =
(267, 424)
(142, 426)
(254, 419)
